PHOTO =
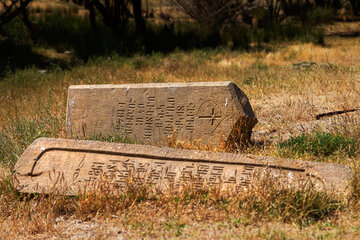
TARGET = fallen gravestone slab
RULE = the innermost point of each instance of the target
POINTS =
(216, 112)
(72, 165)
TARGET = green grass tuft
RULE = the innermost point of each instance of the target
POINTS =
(118, 138)
(318, 144)
(20, 133)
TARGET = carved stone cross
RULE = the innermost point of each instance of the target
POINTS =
(208, 112)
(212, 117)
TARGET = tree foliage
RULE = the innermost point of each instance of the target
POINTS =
(9, 9)
(211, 12)
(267, 12)
(115, 13)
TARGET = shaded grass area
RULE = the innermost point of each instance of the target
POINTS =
(72, 33)
(15, 56)
(18, 51)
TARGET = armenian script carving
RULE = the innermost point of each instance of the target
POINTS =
(149, 113)
(154, 116)
(77, 164)
(153, 172)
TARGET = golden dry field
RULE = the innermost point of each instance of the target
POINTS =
(287, 83)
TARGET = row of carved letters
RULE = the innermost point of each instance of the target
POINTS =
(142, 173)
(148, 116)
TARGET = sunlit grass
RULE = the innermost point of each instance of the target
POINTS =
(169, 212)
(285, 93)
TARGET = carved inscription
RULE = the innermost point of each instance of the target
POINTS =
(120, 170)
(75, 164)
(165, 118)
(149, 113)
(152, 116)
(190, 117)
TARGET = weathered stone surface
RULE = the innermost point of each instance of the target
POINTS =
(213, 112)
(48, 163)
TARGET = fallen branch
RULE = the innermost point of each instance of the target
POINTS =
(318, 116)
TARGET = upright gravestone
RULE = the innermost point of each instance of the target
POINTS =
(74, 165)
(210, 112)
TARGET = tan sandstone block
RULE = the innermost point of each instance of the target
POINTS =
(73, 164)
(211, 112)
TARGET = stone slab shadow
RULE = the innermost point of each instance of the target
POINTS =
(210, 112)
(75, 164)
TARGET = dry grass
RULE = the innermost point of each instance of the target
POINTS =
(143, 211)
(285, 96)
(281, 93)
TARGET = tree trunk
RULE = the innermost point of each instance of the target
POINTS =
(139, 19)
(92, 16)
(355, 7)
(32, 28)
